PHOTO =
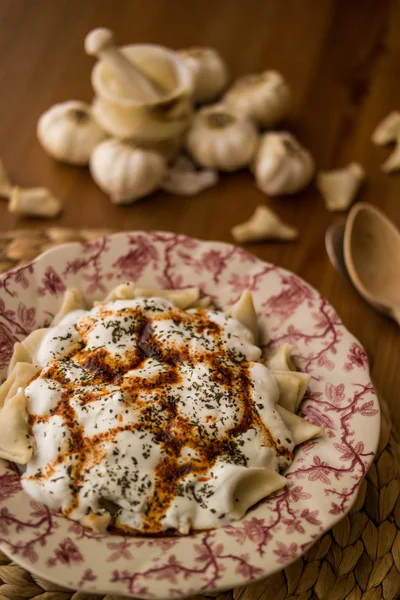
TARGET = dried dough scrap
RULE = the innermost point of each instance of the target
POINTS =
(281, 359)
(388, 130)
(14, 432)
(339, 187)
(34, 202)
(181, 298)
(301, 429)
(292, 386)
(263, 225)
(73, 300)
(19, 377)
(244, 312)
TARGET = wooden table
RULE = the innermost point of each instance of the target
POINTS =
(342, 59)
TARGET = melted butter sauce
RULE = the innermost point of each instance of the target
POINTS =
(147, 399)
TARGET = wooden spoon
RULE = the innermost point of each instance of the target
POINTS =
(372, 257)
(101, 43)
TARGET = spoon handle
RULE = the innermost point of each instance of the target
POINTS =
(396, 315)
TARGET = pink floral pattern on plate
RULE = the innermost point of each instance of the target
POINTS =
(322, 481)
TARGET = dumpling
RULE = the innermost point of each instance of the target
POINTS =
(292, 386)
(124, 291)
(21, 374)
(281, 359)
(15, 443)
(33, 341)
(243, 310)
(301, 429)
(20, 354)
(73, 300)
(181, 298)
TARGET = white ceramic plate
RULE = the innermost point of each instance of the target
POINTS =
(323, 479)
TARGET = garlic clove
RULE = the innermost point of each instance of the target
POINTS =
(184, 180)
(263, 225)
(392, 163)
(220, 139)
(34, 202)
(388, 130)
(5, 184)
(209, 71)
(69, 133)
(264, 98)
(340, 186)
(282, 165)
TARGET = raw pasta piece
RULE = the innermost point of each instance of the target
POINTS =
(14, 432)
(301, 429)
(32, 342)
(124, 291)
(181, 298)
(19, 377)
(292, 386)
(243, 310)
(20, 354)
(73, 300)
(281, 359)
(97, 523)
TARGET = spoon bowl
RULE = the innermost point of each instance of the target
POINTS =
(371, 246)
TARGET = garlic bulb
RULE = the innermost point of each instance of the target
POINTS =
(388, 130)
(218, 139)
(264, 98)
(126, 172)
(209, 72)
(68, 132)
(340, 186)
(282, 165)
(34, 202)
(263, 225)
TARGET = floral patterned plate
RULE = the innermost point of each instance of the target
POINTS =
(322, 481)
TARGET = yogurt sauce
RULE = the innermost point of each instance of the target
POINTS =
(153, 413)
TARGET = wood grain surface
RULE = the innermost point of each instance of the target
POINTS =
(342, 59)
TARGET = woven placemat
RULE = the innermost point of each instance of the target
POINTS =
(359, 559)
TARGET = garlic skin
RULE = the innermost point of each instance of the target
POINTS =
(339, 187)
(209, 71)
(69, 133)
(388, 130)
(183, 179)
(125, 172)
(263, 225)
(282, 165)
(219, 139)
(264, 98)
(34, 202)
